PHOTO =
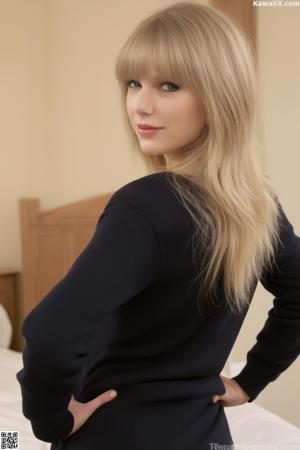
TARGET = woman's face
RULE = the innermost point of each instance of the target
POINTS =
(173, 108)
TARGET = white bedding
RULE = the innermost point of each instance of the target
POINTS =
(11, 417)
(252, 427)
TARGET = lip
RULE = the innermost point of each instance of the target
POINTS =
(148, 131)
(147, 126)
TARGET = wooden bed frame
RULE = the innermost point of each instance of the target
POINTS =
(51, 241)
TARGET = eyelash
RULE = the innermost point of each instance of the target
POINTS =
(162, 83)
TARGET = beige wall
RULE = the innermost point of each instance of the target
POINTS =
(61, 133)
(25, 166)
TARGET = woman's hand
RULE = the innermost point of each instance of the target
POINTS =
(234, 394)
(82, 411)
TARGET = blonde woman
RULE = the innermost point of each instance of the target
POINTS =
(153, 305)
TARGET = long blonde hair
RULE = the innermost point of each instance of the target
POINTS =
(220, 177)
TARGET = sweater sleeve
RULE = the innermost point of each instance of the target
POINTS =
(120, 261)
(278, 343)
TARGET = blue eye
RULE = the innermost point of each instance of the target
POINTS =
(174, 86)
(171, 84)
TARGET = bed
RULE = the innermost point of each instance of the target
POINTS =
(51, 240)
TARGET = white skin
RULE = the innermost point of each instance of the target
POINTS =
(163, 103)
(182, 117)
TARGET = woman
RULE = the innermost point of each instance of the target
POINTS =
(153, 305)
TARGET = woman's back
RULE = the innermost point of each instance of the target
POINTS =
(163, 359)
(149, 342)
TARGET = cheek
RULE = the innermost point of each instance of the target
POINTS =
(191, 124)
(190, 115)
(197, 120)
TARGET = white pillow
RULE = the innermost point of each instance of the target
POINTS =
(5, 328)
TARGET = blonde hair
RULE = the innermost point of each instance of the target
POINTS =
(220, 177)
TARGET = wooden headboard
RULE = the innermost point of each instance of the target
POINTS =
(51, 240)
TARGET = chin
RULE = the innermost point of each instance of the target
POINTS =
(151, 152)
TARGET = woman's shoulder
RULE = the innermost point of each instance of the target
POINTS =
(153, 195)
(143, 191)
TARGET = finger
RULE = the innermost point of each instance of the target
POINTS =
(215, 398)
(111, 394)
(82, 411)
(90, 407)
(103, 398)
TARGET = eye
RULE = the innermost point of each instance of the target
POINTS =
(175, 87)
(168, 83)
(129, 83)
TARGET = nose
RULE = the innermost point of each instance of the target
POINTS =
(144, 101)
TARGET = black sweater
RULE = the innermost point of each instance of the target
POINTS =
(125, 315)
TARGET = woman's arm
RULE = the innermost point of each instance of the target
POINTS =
(119, 262)
(278, 343)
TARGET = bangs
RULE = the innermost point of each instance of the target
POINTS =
(153, 47)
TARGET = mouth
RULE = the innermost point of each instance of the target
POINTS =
(148, 131)
(147, 126)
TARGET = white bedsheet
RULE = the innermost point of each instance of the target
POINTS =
(11, 417)
(255, 428)
(252, 427)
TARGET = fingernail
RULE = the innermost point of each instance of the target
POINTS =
(112, 394)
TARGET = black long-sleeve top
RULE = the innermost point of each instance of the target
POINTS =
(125, 316)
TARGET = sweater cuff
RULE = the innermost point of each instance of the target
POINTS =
(254, 377)
(54, 428)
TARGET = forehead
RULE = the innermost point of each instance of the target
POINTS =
(154, 74)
